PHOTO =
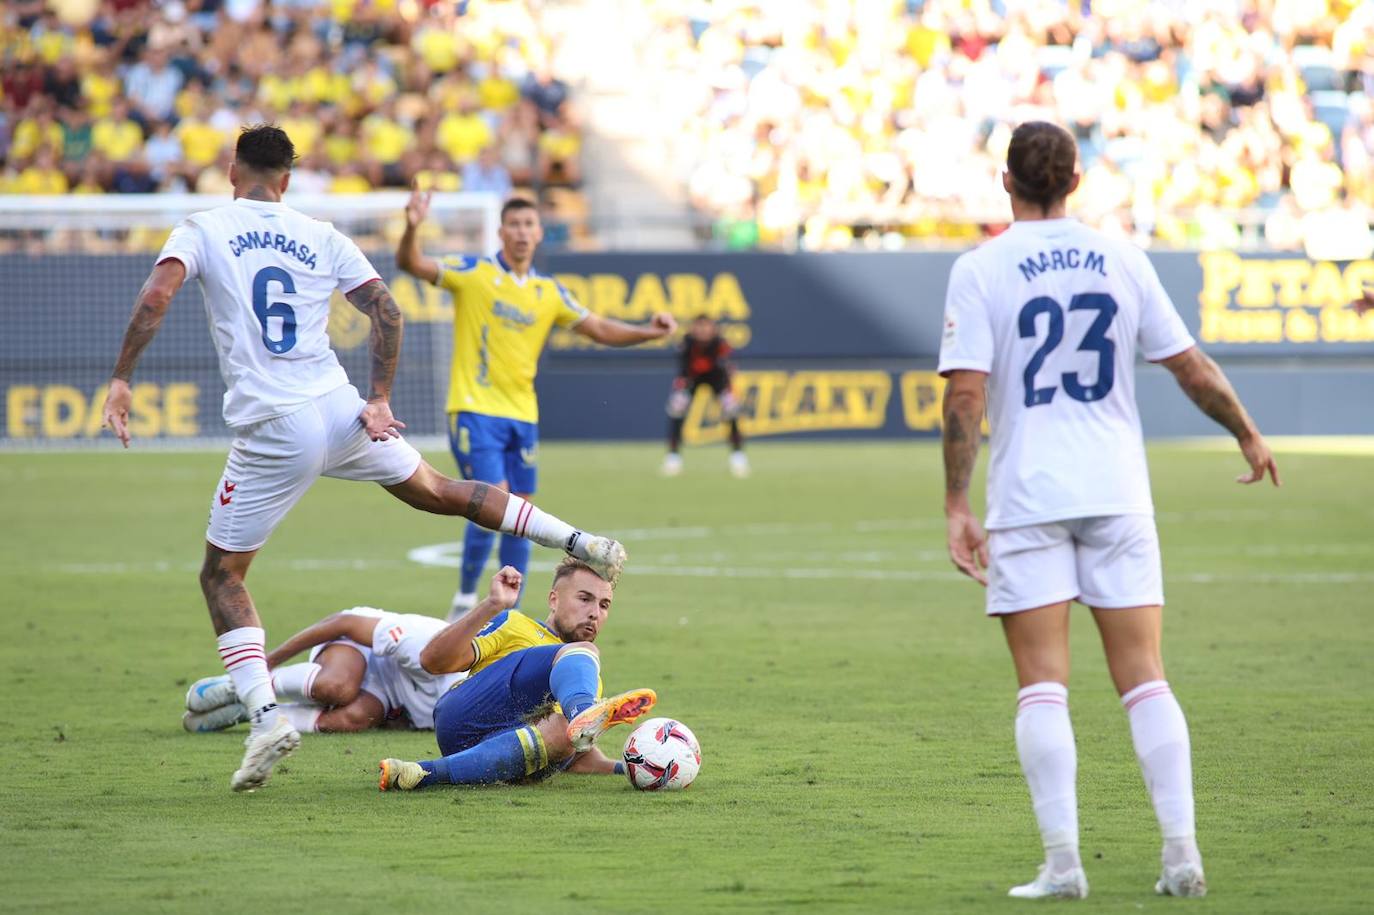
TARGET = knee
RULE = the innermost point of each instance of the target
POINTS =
(580, 647)
(213, 575)
(333, 689)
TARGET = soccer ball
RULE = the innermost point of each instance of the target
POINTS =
(662, 755)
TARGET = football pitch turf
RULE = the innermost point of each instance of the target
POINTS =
(853, 705)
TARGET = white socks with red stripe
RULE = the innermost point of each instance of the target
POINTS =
(294, 682)
(1160, 734)
(242, 652)
(525, 519)
(1044, 741)
(303, 717)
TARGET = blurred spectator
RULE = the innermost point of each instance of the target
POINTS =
(152, 85)
(487, 174)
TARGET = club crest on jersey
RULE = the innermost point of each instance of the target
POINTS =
(275, 241)
(513, 316)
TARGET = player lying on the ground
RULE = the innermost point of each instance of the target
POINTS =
(267, 273)
(704, 360)
(364, 671)
(499, 725)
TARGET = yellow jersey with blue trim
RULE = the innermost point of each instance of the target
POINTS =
(500, 325)
(508, 632)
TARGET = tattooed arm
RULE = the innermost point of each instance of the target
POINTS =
(374, 300)
(1206, 385)
(965, 400)
(150, 308)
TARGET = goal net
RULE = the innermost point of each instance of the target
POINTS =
(71, 267)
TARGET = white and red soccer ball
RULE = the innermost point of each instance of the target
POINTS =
(662, 755)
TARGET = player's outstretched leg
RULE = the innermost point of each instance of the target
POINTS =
(431, 491)
(573, 680)
(505, 757)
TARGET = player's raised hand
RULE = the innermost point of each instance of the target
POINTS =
(115, 415)
(968, 545)
(417, 207)
(663, 323)
(378, 421)
(1260, 459)
(505, 586)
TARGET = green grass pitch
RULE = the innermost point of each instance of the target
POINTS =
(854, 706)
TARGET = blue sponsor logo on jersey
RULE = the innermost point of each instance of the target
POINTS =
(513, 316)
(1066, 259)
(274, 241)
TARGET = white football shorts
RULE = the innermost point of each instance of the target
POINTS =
(1107, 562)
(394, 673)
(272, 463)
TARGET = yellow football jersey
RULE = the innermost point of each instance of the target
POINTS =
(500, 324)
(508, 632)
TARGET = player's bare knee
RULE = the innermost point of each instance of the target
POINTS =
(334, 689)
(582, 647)
(554, 730)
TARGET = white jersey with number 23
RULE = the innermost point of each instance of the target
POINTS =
(267, 273)
(1055, 313)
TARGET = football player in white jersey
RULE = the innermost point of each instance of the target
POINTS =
(266, 273)
(1042, 326)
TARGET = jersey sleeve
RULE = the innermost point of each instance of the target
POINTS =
(185, 245)
(455, 271)
(351, 266)
(570, 311)
(1162, 332)
(395, 637)
(967, 341)
(494, 637)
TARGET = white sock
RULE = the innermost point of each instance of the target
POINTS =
(1160, 734)
(303, 717)
(525, 519)
(242, 652)
(294, 682)
(1044, 741)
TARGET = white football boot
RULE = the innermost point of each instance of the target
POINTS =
(739, 464)
(226, 716)
(1071, 884)
(263, 752)
(209, 693)
(605, 556)
(672, 465)
(1184, 880)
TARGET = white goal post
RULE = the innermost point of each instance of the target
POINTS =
(71, 266)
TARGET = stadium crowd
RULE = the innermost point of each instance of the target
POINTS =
(887, 120)
(133, 96)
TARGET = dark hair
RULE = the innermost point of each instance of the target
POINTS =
(265, 148)
(571, 564)
(517, 203)
(1040, 161)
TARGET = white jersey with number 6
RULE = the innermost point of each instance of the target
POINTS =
(1055, 313)
(267, 273)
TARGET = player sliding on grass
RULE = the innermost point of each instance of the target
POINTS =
(364, 670)
(267, 273)
(1042, 326)
(498, 725)
(503, 310)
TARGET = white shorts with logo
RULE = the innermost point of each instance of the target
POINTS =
(272, 463)
(1108, 562)
(394, 673)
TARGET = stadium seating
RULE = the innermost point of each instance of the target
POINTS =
(135, 97)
